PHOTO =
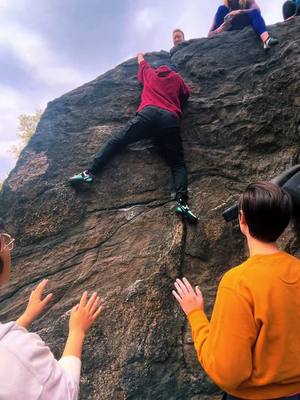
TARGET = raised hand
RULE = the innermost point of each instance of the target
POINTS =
(84, 314)
(82, 318)
(140, 57)
(188, 298)
(36, 305)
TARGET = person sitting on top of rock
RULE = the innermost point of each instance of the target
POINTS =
(158, 117)
(290, 9)
(28, 369)
(178, 36)
(236, 15)
(251, 345)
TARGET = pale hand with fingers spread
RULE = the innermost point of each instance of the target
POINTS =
(36, 305)
(82, 318)
(85, 313)
(190, 299)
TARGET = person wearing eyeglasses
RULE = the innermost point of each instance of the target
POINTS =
(236, 15)
(291, 9)
(28, 369)
(251, 345)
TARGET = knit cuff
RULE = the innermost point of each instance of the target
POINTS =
(196, 316)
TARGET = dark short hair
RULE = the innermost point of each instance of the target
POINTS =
(267, 209)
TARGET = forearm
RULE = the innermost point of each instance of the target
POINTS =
(213, 29)
(212, 33)
(74, 344)
(200, 331)
(216, 31)
(24, 321)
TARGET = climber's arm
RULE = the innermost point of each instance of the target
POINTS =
(140, 57)
(145, 69)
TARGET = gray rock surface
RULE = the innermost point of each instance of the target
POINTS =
(121, 237)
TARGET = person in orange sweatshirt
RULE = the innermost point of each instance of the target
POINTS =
(251, 346)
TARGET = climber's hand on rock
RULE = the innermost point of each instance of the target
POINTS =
(36, 305)
(140, 57)
(189, 299)
(85, 313)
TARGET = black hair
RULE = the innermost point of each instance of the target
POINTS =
(267, 209)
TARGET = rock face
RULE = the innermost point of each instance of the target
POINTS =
(121, 237)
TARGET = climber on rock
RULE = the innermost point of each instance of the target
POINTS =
(236, 15)
(251, 345)
(290, 9)
(158, 117)
(178, 36)
(28, 369)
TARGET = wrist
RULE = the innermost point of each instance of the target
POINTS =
(24, 321)
(77, 333)
(192, 310)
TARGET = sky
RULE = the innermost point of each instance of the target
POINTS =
(49, 47)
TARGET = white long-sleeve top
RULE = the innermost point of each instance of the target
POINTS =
(28, 369)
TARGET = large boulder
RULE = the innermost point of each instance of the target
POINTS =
(121, 237)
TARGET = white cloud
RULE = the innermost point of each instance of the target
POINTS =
(6, 5)
(34, 52)
(145, 19)
(45, 67)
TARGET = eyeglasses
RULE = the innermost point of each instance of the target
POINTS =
(6, 242)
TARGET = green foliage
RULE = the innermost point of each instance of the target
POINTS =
(26, 128)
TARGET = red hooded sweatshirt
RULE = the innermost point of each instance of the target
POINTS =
(163, 88)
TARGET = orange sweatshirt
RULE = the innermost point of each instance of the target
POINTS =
(251, 346)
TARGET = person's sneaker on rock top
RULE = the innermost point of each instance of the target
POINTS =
(270, 42)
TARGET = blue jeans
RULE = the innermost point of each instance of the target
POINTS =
(252, 18)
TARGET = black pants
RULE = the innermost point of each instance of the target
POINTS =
(289, 9)
(296, 397)
(164, 128)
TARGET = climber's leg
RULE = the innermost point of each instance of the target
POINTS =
(136, 129)
(289, 9)
(170, 143)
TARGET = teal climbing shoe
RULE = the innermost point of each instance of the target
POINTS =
(185, 212)
(83, 177)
